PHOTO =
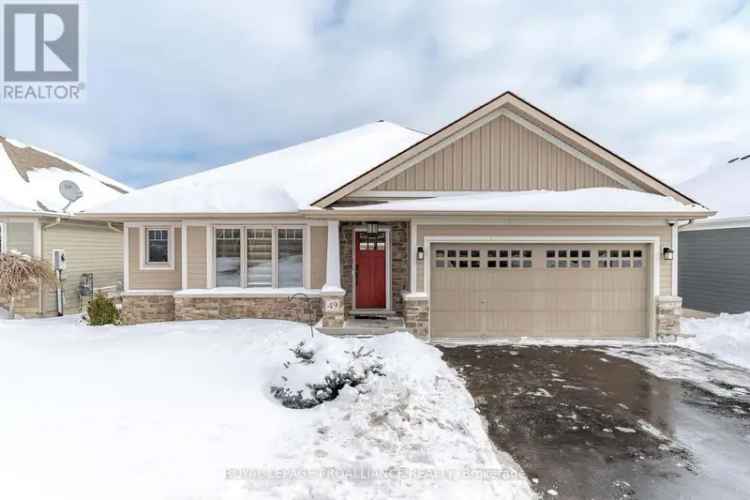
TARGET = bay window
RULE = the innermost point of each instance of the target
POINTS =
(259, 257)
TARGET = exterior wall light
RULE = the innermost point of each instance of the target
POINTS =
(668, 253)
(420, 253)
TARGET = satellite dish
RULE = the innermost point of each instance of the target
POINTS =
(71, 192)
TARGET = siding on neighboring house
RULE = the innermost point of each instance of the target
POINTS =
(153, 279)
(501, 155)
(21, 237)
(197, 265)
(89, 248)
(318, 251)
(663, 232)
(714, 270)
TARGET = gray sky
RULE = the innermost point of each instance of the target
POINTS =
(177, 86)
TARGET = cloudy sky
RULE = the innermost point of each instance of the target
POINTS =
(177, 86)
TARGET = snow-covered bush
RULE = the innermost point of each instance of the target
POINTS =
(319, 370)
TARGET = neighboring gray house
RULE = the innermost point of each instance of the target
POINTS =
(714, 266)
(37, 220)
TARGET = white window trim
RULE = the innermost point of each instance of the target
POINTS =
(147, 266)
(3, 237)
(388, 268)
(306, 271)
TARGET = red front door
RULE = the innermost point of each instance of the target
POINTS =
(369, 259)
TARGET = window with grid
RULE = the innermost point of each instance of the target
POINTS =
(510, 258)
(157, 246)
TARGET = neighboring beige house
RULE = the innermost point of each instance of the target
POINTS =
(37, 220)
(506, 222)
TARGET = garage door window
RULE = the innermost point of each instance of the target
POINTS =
(568, 258)
(463, 258)
(509, 258)
(620, 258)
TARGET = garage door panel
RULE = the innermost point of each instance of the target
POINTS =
(553, 290)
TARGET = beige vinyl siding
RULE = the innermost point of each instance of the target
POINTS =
(20, 237)
(153, 279)
(502, 155)
(664, 232)
(89, 248)
(318, 255)
(197, 270)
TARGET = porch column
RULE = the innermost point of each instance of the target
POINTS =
(332, 295)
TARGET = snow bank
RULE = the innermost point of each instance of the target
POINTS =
(726, 337)
(577, 200)
(184, 410)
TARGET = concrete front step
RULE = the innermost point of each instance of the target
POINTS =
(366, 327)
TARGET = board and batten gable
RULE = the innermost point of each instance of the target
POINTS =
(501, 155)
(714, 270)
(153, 279)
(89, 248)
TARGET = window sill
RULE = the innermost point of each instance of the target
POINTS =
(246, 292)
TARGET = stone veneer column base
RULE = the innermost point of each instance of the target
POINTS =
(668, 314)
(417, 315)
(137, 309)
(332, 304)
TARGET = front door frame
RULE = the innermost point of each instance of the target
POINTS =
(388, 266)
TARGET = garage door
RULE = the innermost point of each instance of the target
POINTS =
(539, 290)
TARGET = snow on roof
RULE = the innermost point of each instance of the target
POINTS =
(579, 200)
(286, 180)
(30, 181)
(723, 187)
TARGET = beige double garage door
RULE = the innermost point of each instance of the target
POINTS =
(539, 290)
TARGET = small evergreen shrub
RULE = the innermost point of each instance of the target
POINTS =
(313, 378)
(102, 311)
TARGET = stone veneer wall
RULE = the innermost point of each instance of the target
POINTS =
(137, 309)
(417, 317)
(399, 261)
(668, 314)
(205, 308)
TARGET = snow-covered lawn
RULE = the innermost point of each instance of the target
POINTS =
(726, 337)
(184, 410)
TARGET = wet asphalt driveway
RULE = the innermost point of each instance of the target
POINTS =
(589, 425)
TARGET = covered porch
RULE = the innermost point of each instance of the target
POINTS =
(367, 277)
